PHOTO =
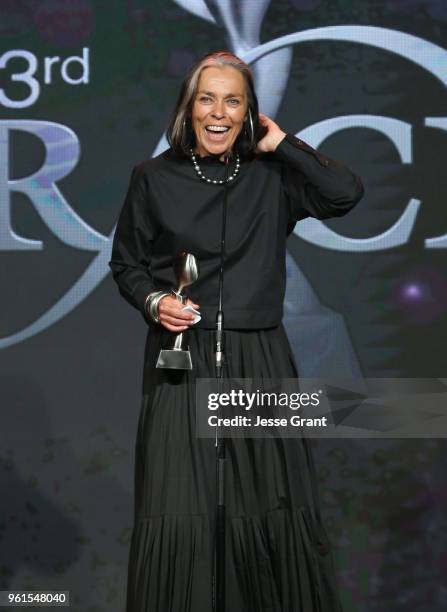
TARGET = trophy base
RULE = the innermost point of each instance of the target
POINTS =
(174, 359)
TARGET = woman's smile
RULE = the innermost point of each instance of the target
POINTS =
(217, 133)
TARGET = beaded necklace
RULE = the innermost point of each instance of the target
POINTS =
(215, 181)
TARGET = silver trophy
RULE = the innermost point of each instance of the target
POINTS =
(175, 355)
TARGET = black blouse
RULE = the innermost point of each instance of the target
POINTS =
(168, 208)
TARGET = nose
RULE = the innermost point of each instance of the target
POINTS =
(218, 110)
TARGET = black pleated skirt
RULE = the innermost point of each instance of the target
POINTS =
(278, 556)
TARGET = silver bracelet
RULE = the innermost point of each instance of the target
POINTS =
(151, 304)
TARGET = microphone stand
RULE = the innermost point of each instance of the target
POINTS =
(219, 548)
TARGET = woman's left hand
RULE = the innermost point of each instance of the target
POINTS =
(273, 137)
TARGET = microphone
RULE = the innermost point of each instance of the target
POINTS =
(219, 331)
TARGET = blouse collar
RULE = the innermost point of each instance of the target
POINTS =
(211, 159)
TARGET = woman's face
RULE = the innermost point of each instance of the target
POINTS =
(220, 102)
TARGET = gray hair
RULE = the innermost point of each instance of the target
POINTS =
(180, 133)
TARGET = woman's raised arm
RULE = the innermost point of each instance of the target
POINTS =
(315, 184)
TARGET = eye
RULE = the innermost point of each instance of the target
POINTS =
(204, 98)
(234, 100)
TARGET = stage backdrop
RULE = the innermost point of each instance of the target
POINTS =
(86, 91)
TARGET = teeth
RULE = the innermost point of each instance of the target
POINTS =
(217, 128)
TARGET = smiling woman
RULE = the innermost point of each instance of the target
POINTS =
(277, 554)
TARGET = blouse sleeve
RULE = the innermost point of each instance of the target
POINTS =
(316, 185)
(132, 244)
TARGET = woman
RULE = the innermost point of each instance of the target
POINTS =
(277, 553)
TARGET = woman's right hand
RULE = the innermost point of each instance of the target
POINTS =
(172, 316)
